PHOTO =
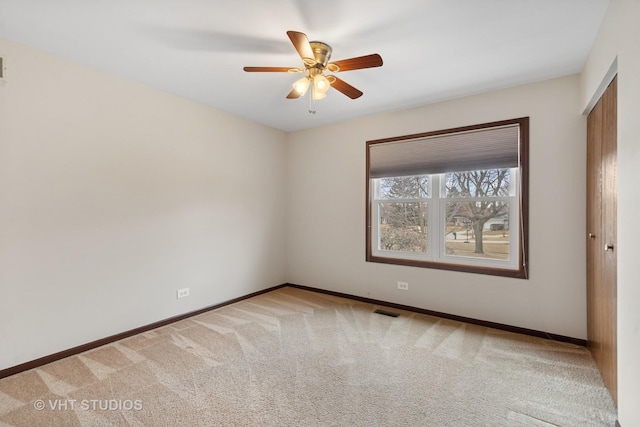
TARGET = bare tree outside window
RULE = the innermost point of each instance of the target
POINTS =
(403, 222)
(483, 188)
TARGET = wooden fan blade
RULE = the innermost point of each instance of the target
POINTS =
(346, 88)
(293, 94)
(301, 43)
(367, 61)
(271, 70)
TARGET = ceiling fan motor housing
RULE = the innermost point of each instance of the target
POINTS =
(321, 53)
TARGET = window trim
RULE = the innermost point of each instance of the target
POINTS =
(522, 270)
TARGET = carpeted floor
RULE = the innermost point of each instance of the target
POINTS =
(297, 358)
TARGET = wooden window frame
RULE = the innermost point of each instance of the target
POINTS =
(522, 270)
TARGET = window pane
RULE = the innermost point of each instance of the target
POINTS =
(405, 187)
(477, 229)
(403, 227)
(481, 183)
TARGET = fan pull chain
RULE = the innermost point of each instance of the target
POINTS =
(312, 104)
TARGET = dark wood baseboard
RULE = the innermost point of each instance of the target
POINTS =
(108, 340)
(500, 326)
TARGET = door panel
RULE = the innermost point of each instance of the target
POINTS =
(601, 236)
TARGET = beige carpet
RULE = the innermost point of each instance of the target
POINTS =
(297, 358)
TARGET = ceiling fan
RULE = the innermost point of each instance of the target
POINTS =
(315, 56)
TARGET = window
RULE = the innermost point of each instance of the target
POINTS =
(454, 199)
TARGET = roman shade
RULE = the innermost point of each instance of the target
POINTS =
(465, 150)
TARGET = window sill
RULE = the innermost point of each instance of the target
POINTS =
(493, 271)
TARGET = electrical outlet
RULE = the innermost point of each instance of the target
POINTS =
(403, 286)
(181, 293)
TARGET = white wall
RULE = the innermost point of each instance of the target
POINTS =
(619, 38)
(114, 195)
(326, 204)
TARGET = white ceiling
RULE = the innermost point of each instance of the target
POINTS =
(432, 49)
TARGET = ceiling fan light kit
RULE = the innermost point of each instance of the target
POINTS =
(318, 82)
(315, 56)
